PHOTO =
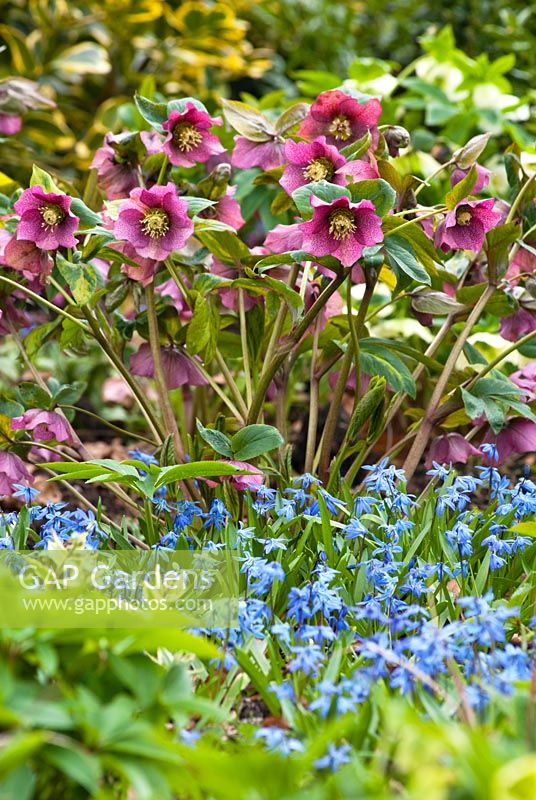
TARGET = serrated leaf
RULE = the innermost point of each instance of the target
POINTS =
(80, 278)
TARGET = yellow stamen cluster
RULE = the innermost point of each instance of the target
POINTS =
(186, 136)
(463, 217)
(341, 223)
(51, 215)
(340, 128)
(155, 223)
(319, 169)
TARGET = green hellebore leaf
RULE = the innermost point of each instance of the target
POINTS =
(80, 278)
(247, 121)
(462, 189)
(401, 255)
(254, 440)
(153, 113)
(42, 178)
(216, 439)
(322, 189)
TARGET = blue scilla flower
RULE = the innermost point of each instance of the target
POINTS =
(364, 504)
(213, 546)
(185, 513)
(145, 458)
(282, 631)
(383, 477)
(245, 535)
(439, 471)
(26, 493)
(263, 575)
(483, 623)
(300, 496)
(316, 633)
(286, 508)
(323, 703)
(402, 502)
(490, 450)
(283, 691)
(460, 538)
(6, 543)
(8, 519)
(253, 617)
(271, 545)
(167, 542)
(333, 504)
(325, 599)
(161, 505)
(265, 499)
(307, 659)
(217, 515)
(307, 480)
(278, 740)
(334, 758)
(354, 529)
(300, 603)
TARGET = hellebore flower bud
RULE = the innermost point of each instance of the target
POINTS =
(396, 138)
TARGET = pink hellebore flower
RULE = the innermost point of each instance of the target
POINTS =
(116, 177)
(450, 449)
(229, 296)
(284, 238)
(465, 227)
(244, 482)
(266, 155)
(189, 141)
(179, 368)
(362, 169)
(44, 425)
(12, 471)
(341, 229)
(525, 378)
(145, 268)
(517, 437)
(169, 289)
(518, 324)
(315, 161)
(10, 124)
(226, 209)
(481, 181)
(26, 257)
(154, 221)
(523, 262)
(341, 118)
(46, 219)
